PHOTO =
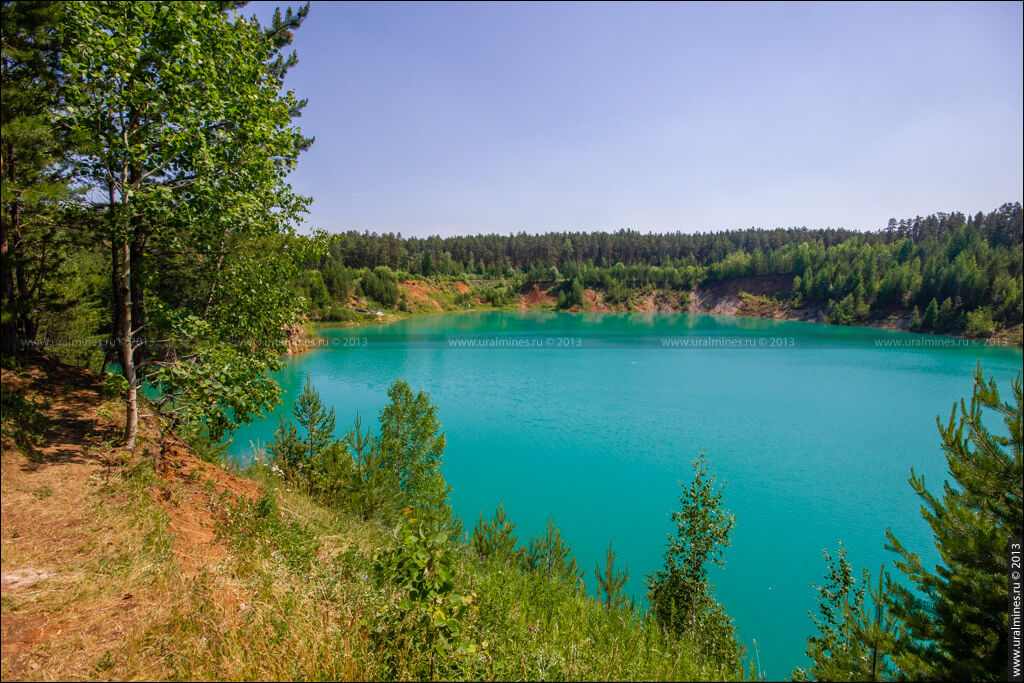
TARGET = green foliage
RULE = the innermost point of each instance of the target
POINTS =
(317, 425)
(314, 291)
(499, 296)
(38, 173)
(286, 450)
(573, 295)
(931, 315)
(22, 417)
(956, 615)
(372, 486)
(552, 556)
(950, 623)
(114, 384)
(915, 319)
(616, 293)
(224, 385)
(495, 538)
(437, 514)
(331, 472)
(380, 286)
(856, 640)
(947, 315)
(412, 444)
(427, 624)
(369, 476)
(974, 261)
(195, 209)
(680, 594)
(337, 279)
(258, 529)
(980, 323)
(611, 582)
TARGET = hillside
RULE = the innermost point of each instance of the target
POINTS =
(159, 565)
(755, 296)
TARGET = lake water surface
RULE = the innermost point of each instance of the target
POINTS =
(595, 418)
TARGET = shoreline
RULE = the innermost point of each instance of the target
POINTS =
(311, 329)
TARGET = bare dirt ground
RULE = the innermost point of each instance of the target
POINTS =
(71, 590)
(419, 295)
(537, 294)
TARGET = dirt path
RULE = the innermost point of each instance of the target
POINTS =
(73, 586)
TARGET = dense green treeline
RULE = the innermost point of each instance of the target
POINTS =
(493, 255)
(970, 267)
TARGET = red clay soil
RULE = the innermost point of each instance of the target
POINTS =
(50, 527)
(534, 295)
(595, 302)
(418, 293)
(191, 522)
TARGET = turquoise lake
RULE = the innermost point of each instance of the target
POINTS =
(595, 418)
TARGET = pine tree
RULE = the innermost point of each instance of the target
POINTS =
(956, 616)
(317, 423)
(37, 169)
(611, 582)
(372, 485)
(551, 555)
(577, 296)
(915, 319)
(931, 315)
(495, 538)
(947, 314)
(286, 450)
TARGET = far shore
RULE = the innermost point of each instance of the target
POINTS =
(311, 329)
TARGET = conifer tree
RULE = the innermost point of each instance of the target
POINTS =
(956, 614)
(931, 315)
(611, 582)
(947, 314)
(576, 293)
(495, 538)
(372, 485)
(317, 424)
(551, 555)
(286, 450)
(36, 166)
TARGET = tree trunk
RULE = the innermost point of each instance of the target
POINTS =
(9, 330)
(138, 317)
(127, 355)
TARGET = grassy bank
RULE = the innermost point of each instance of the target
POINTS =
(157, 565)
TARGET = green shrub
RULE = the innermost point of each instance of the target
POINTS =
(424, 632)
(980, 323)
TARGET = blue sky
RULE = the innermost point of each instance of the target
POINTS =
(477, 118)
